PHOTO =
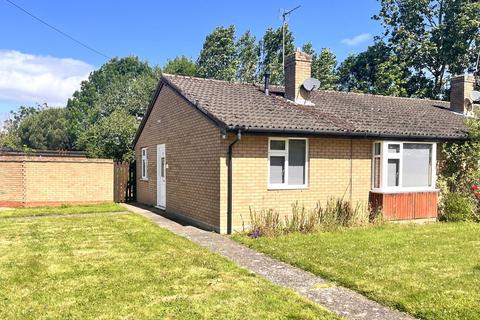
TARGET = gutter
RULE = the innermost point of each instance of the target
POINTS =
(229, 183)
(347, 134)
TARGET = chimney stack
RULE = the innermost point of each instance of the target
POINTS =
(461, 88)
(298, 68)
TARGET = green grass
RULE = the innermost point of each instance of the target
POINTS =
(431, 271)
(125, 267)
(64, 209)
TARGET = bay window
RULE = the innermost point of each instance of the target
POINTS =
(403, 166)
(287, 163)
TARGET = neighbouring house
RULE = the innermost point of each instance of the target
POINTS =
(209, 151)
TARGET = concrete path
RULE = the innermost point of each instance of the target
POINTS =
(64, 215)
(339, 300)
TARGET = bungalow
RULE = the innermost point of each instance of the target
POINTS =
(208, 151)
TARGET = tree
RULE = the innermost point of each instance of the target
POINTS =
(323, 66)
(9, 138)
(247, 54)
(217, 59)
(271, 53)
(376, 70)
(111, 137)
(45, 130)
(391, 78)
(441, 36)
(181, 65)
(131, 95)
(347, 80)
(82, 108)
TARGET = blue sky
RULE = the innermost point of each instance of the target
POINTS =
(38, 64)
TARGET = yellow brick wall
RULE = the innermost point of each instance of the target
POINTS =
(192, 147)
(11, 182)
(34, 181)
(332, 163)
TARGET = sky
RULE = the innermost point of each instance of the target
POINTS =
(39, 65)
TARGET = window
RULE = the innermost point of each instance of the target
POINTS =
(144, 164)
(287, 165)
(407, 166)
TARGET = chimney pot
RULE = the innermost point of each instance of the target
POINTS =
(461, 88)
(298, 68)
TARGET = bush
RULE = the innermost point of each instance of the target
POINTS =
(336, 213)
(456, 207)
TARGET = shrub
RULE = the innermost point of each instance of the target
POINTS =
(456, 207)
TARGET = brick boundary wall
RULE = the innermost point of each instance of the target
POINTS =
(52, 180)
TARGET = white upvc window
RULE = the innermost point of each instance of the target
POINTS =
(403, 166)
(144, 163)
(287, 163)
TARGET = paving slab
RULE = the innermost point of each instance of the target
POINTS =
(339, 300)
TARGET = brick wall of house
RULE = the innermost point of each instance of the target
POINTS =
(332, 163)
(54, 180)
(192, 147)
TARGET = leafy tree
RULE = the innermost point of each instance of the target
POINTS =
(8, 141)
(391, 78)
(131, 95)
(217, 59)
(181, 65)
(271, 53)
(111, 137)
(44, 130)
(247, 54)
(9, 138)
(82, 108)
(346, 73)
(323, 66)
(441, 36)
(376, 70)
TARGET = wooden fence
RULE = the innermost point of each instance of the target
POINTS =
(124, 182)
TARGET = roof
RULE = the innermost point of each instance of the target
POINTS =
(234, 106)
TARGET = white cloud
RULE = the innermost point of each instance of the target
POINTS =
(359, 39)
(31, 78)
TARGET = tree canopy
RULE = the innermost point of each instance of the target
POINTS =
(441, 36)
(180, 65)
(217, 59)
(247, 55)
(271, 53)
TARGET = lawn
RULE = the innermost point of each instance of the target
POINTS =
(430, 271)
(64, 209)
(125, 267)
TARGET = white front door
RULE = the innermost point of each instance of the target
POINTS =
(161, 177)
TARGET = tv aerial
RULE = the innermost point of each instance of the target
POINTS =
(285, 14)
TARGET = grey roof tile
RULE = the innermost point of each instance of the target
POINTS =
(246, 106)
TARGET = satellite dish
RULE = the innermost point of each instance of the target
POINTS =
(468, 105)
(475, 96)
(311, 84)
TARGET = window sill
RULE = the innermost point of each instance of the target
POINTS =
(286, 187)
(404, 190)
(143, 179)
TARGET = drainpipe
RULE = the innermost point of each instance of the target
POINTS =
(230, 193)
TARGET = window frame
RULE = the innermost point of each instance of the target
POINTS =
(144, 165)
(285, 154)
(385, 156)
